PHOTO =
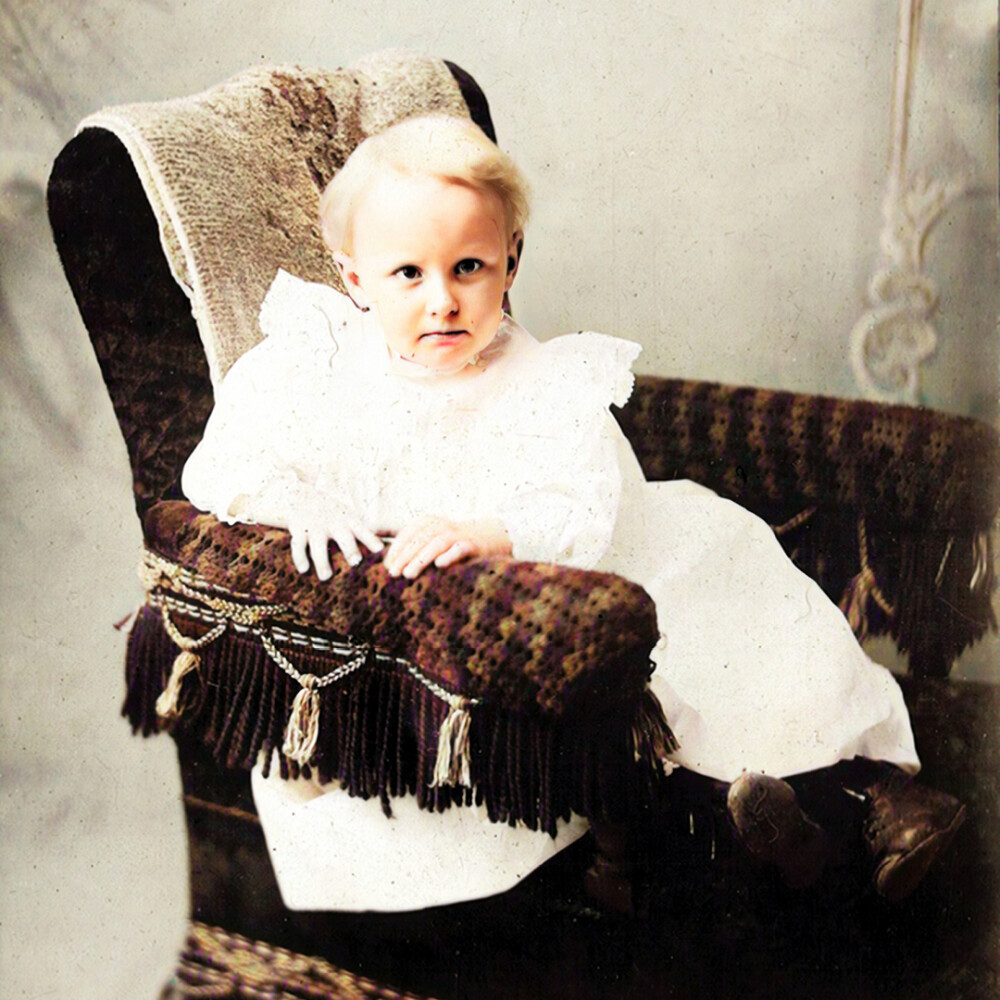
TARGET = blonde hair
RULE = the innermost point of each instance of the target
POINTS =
(450, 148)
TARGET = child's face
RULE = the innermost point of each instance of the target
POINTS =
(431, 258)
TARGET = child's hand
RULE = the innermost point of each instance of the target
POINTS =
(442, 542)
(312, 519)
(313, 527)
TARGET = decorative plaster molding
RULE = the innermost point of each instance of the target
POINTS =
(895, 336)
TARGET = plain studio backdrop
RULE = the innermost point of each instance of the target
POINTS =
(708, 180)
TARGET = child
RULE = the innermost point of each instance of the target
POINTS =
(417, 409)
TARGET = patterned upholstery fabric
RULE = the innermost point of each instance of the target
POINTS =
(139, 320)
(531, 634)
(890, 508)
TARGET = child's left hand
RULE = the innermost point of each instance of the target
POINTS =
(442, 542)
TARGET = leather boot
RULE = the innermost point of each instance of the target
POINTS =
(773, 828)
(907, 827)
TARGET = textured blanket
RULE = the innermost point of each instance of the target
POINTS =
(530, 636)
(891, 508)
(234, 174)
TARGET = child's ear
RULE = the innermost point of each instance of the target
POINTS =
(514, 249)
(349, 274)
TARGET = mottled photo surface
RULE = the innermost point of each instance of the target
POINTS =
(789, 209)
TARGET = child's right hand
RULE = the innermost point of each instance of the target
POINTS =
(314, 526)
(312, 518)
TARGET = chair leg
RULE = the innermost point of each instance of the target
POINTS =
(610, 879)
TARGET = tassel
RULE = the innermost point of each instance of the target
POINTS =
(652, 739)
(862, 589)
(854, 603)
(453, 766)
(302, 731)
(168, 704)
(982, 577)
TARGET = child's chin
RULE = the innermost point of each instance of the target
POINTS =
(445, 358)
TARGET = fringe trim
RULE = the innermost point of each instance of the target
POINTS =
(930, 591)
(652, 739)
(375, 723)
(302, 730)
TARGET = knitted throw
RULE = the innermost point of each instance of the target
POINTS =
(890, 508)
(234, 174)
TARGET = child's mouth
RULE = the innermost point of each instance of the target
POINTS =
(443, 335)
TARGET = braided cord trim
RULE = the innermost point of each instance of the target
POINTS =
(173, 588)
(453, 700)
(792, 523)
(311, 680)
(876, 592)
(156, 573)
(185, 642)
(290, 636)
(216, 963)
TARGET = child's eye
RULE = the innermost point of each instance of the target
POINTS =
(468, 266)
(408, 271)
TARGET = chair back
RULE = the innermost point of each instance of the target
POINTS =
(172, 218)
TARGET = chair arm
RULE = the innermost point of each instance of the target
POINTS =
(529, 634)
(889, 507)
(525, 681)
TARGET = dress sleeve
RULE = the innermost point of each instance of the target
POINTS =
(565, 508)
(263, 433)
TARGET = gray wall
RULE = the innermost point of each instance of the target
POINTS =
(708, 179)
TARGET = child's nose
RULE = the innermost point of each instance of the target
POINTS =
(441, 299)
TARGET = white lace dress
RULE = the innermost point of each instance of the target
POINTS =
(756, 668)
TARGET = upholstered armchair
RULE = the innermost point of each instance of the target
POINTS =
(519, 685)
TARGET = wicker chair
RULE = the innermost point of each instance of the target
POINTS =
(890, 508)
